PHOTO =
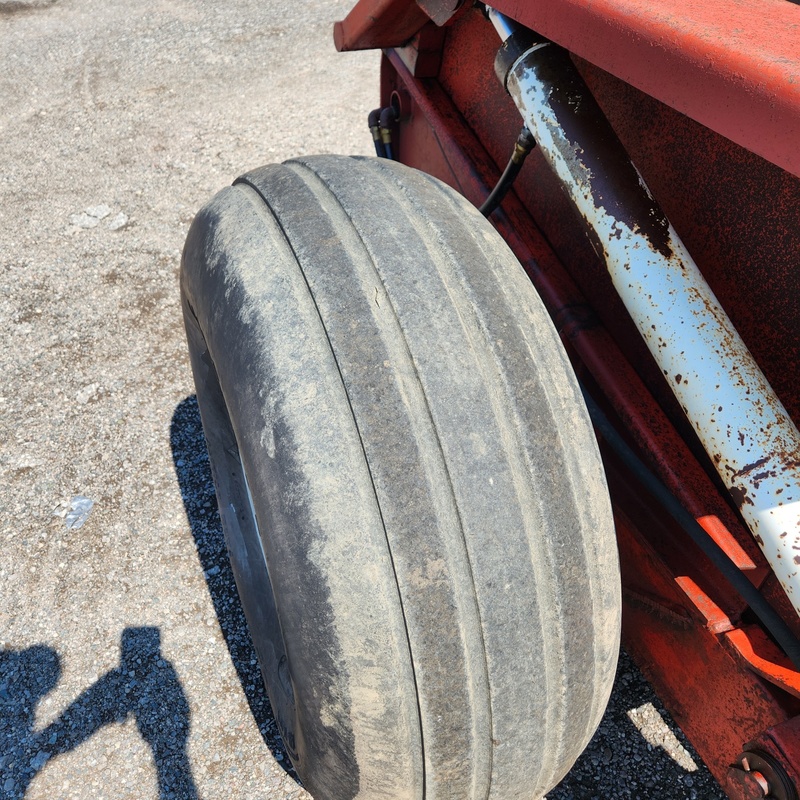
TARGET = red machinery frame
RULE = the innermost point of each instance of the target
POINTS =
(706, 98)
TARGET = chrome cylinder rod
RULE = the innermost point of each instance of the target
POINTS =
(742, 424)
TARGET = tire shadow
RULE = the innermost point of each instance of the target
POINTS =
(193, 471)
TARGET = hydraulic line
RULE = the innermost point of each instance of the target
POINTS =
(373, 120)
(388, 116)
(380, 123)
(770, 618)
(522, 147)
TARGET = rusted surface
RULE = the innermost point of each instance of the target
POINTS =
(733, 66)
(737, 214)
(776, 754)
(423, 54)
(587, 143)
(442, 11)
(752, 783)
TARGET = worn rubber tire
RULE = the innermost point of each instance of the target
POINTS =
(429, 569)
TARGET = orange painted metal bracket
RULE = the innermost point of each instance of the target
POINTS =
(717, 621)
(715, 528)
(742, 642)
(732, 66)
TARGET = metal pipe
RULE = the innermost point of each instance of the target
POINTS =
(742, 424)
(504, 26)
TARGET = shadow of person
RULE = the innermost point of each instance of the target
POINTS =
(26, 676)
(145, 686)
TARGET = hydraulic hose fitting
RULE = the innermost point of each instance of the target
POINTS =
(373, 120)
(523, 146)
(388, 116)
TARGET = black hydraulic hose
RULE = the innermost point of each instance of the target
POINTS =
(388, 116)
(770, 618)
(373, 120)
(523, 146)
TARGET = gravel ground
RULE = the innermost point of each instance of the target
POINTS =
(126, 670)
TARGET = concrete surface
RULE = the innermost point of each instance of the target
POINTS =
(125, 667)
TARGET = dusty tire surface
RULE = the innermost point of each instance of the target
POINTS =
(423, 543)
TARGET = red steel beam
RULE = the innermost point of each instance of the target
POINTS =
(391, 23)
(733, 66)
(375, 24)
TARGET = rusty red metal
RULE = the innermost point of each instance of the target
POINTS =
(752, 784)
(776, 754)
(443, 11)
(733, 66)
(379, 23)
(423, 53)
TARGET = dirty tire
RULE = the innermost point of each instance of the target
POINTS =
(423, 542)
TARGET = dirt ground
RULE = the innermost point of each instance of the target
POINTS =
(125, 667)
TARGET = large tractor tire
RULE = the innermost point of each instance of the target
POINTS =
(408, 481)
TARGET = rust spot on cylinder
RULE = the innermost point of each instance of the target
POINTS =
(614, 182)
(739, 496)
(750, 467)
(761, 476)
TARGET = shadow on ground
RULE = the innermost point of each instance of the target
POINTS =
(144, 686)
(193, 470)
